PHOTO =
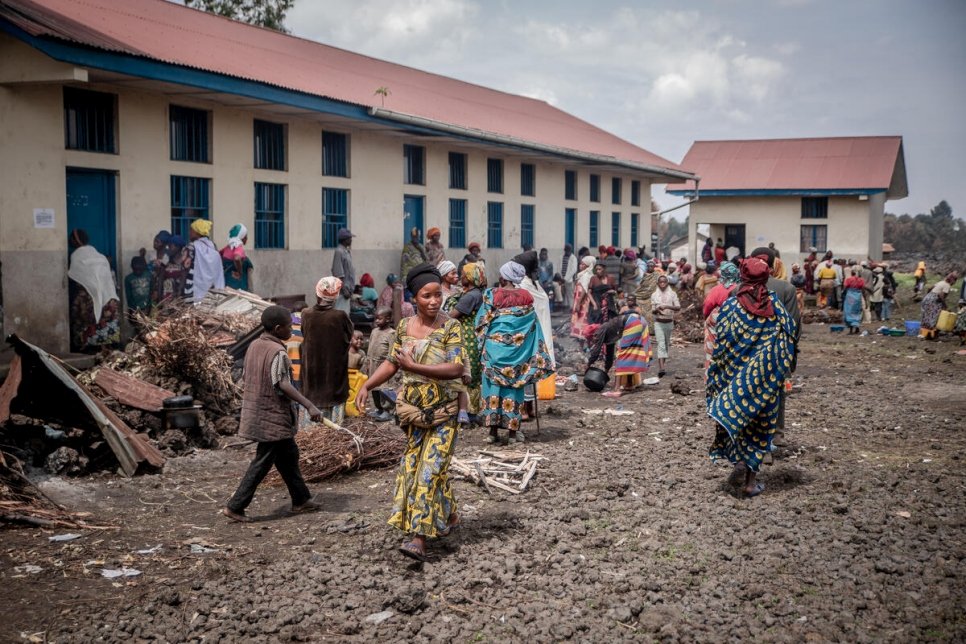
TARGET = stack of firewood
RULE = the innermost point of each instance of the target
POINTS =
(503, 470)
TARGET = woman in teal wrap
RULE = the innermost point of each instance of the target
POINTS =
(752, 355)
(513, 352)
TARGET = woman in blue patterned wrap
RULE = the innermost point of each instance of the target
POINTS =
(752, 355)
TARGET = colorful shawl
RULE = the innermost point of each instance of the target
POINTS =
(634, 347)
(513, 350)
(752, 355)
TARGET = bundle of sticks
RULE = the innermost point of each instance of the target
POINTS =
(508, 471)
(21, 502)
(328, 449)
(179, 347)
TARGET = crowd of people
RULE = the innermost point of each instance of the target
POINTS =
(448, 350)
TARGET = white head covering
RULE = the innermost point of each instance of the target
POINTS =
(235, 236)
(513, 272)
(91, 270)
(583, 277)
(445, 267)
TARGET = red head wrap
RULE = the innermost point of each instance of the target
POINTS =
(752, 294)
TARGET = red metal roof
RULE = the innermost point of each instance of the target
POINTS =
(172, 33)
(839, 163)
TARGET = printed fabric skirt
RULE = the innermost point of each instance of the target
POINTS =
(931, 308)
(501, 406)
(472, 352)
(424, 501)
(709, 339)
(85, 333)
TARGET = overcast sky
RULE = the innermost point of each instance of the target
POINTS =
(662, 74)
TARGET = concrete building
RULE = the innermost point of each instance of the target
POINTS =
(826, 193)
(126, 118)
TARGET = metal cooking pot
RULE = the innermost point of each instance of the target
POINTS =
(595, 379)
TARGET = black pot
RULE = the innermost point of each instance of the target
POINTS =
(178, 402)
(595, 379)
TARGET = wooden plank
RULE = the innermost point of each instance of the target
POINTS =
(9, 389)
(130, 391)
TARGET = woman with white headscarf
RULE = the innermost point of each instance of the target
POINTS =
(94, 305)
(582, 299)
(450, 284)
(326, 334)
(235, 261)
(513, 351)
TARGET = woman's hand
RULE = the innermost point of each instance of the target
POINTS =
(362, 398)
(405, 359)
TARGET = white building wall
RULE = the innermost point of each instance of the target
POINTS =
(852, 223)
(34, 163)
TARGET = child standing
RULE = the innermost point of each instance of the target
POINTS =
(357, 356)
(381, 339)
(137, 289)
(268, 417)
(356, 376)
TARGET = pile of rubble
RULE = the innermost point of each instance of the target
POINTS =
(171, 390)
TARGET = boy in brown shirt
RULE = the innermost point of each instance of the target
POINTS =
(268, 417)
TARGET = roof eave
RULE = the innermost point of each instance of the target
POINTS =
(781, 192)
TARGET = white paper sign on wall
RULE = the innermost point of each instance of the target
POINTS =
(43, 218)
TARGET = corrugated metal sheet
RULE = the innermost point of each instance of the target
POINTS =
(841, 163)
(130, 391)
(171, 33)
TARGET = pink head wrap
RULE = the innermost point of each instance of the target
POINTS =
(328, 288)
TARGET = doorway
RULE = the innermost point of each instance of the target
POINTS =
(91, 206)
(412, 215)
(734, 235)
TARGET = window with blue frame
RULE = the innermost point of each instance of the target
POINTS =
(269, 141)
(570, 226)
(269, 215)
(570, 185)
(494, 175)
(816, 236)
(595, 187)
(457, 223)
(335, 154)
(457, 171)
(594, 224)
(635, 193)
(89, 120)
(615, 229)
(414, 165)
(814, 207)
(528, 179)
(494, 224)
(189, 134)
(526, 225)
(335, 215)
(190, 199)
(616, 186)
(635, 232)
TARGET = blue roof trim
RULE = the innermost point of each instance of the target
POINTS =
(817, 192)
(142, 67)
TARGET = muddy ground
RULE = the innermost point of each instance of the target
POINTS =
(629, 532)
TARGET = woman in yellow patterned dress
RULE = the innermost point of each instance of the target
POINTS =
(429, 351)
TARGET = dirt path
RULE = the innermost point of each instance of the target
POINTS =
(628, 533)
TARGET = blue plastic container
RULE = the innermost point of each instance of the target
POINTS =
(912, 327)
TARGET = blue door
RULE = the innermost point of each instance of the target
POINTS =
(412, 215)
(91, 206)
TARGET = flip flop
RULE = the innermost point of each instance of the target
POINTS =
(412, 551)
(758, 489)
(450, 529)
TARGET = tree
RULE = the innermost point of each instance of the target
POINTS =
(264, 13)
(938, 231)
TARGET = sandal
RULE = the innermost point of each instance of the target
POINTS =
(451, 528)
(238, 517)
(412, 551)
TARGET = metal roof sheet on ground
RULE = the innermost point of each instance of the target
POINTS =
(171, 33)
(867, 163)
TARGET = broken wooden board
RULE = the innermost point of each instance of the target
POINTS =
(508, 471)
(130, 391)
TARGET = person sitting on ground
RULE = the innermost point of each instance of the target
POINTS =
(326, 334)
(380, 339)
(268, 417)
(368, 293)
